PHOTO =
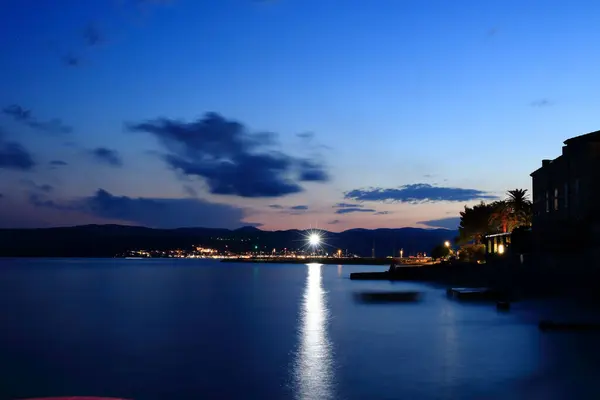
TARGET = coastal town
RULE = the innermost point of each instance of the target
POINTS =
(560, 223)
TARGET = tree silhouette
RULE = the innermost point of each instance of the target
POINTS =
(475, 223)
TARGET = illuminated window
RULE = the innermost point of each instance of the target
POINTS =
(556, 199)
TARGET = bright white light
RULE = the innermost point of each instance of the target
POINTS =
(314, 239)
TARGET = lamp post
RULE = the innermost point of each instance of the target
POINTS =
(447, 244)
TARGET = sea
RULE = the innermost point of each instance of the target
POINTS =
(200, 329)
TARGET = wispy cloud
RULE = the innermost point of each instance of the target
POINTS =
(306, 135)
(447, 223)
(542, 103)
(31, 185)
(299, 208)
(418, 193)
(348, 205)
(293, 210)
(383, 213)
(231, 159)
(333, 222)
(107, 156)
(25, 116)
(190, 191)
(58, 163)
(91, 35)
(354, 210)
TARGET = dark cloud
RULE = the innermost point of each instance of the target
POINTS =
(354, 210)
(230, 159)
(58, 163)
(418, 193)
(107, 156)
(24, 116)
(40, 200)
(297, 208)
(335, 221)
(311, 171)
(14, 156)
(45, 188)
(348, 205)
(447, 223)
(276, 206)
(151, 212)
(383, 213)
(542, 103)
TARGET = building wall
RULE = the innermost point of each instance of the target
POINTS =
(566, 196)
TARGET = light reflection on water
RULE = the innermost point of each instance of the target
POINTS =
(314, 361)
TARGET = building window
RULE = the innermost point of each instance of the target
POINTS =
(547, 201)
(556, 199)
(566, 194)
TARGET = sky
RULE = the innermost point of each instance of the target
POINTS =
(284, 114)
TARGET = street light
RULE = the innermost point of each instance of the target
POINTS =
(314, 239)
(447, 243)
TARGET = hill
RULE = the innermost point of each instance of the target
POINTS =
(109, 240)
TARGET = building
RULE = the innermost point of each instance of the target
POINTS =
(497, 244)
(566, 197)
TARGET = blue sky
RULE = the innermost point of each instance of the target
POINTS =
(236, 112)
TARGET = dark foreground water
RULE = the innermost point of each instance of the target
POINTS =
(186, 329)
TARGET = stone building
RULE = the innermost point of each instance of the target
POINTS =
(566, 197)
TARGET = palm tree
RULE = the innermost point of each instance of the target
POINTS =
(521, 206)
(514, 211)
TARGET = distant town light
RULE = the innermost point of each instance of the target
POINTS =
(447, 243)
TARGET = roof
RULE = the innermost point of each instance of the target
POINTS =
(588, 137)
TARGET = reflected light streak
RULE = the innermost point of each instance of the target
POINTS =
(313, 367)
(449, 348)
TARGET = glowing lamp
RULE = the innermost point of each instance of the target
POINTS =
(314, 239)
(501, 249)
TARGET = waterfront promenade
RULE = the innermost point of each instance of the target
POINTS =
(331, 260)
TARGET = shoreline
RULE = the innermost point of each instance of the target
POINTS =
(384, 261)
(311, 260)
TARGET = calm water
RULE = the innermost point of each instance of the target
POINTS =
(186, 329)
